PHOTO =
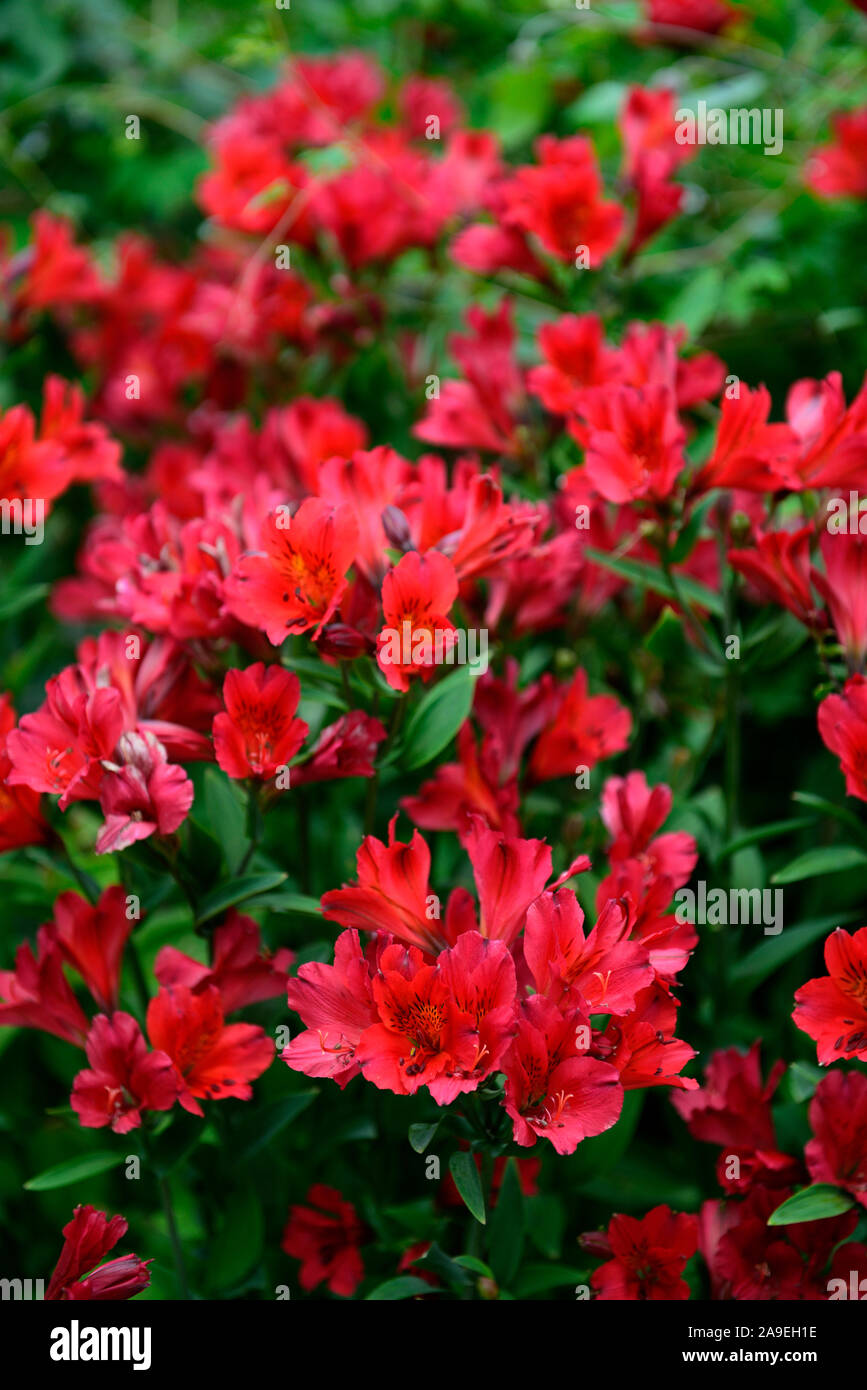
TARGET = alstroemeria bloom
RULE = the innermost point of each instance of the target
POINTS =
(241, 971)
(296, 581)
(37, 994)
(553, 1089)
(258, 734)
(832, 1010)
(648, 1256)
(633, 441)
(59, 748)
(559, 200)
(325, 1237)
(417, 633)
(779, 568)
(843, 586)
(642, 1045)
(837, 1153)
(124, 1077)
(78, 1275)
(602, 972)
(143, 795)
(843, 726)
(423, 1038)
(706, 16)
(585, 729)
(21, 821)
(92, 938)
(632, 812)
(345, 748)
(214, 1059)
(839, 170)
(392, 894)
(733, 1110)
(336, 1003)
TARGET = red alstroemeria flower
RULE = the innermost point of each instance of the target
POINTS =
(843, 586)
(87, 1238)
(585, 729)
(649, 1254)
(143, 795)
(839, 170)
(632, 812)
(705, 16)
(843, 726)
(346, 748)
(749, 453)
(124, 1079)
(601, 973)
(559, 201)
(779, 568)
(336, 1003)
(832, 1010)
(642, 1045)
(416, 597)
(392, 894)
(258, 734)
(633, 441)
(326, 1237)
(469, 787)
(553, 1089)
(733, 1110)
(37, 994)
(296, 582)
(241, 971)
(92, 939)
(837, 1153)
(423, 1038)
(21, 820)
(214, 1059)
(59, 749)
(752, 1261)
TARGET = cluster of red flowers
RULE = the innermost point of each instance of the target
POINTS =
(244, 532)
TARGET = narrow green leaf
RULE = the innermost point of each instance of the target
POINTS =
(827, 859)
(637, 572)
(816, 1203)
(506, 1240)
(405, 1286)
(767, 957)
(227, 895)
(261, 1128)
(772, 831)
(467, 1181)
(437, 718)
(75, 1170)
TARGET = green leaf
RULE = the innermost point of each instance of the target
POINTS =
(75, 1170)
(239, 1241)
(466, 1179)
(15, 603)
(437, 718)
(438, 1262)
(698, 301)
(227, 895)
(405, 1286)
(506, 1240)
(227, 816)
(260, 1128)
(802, 1078)
(772, 831)
(827, 859)
(420, 1135)
(290, 902)
(776, 950)
(476, 1265)
(539, 1278)
(816, 1203)
(637, 572)
(830, 808)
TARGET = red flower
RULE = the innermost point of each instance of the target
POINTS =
(601, 973)
(296, 582)
(585, 730)
(633, 441)
(258, 734)
(843, 727)
(393, 892)
(632, 812)
(733, 1109)
(144, 795)
(416, 633)
(642, 1046)
(88, 1237)
(843, 586)
(458, 791)
(553, 1089)
(749, 453)
(705, 16)
(423, 1038)
(241, 971)
(21, 821)
(326, 1237)
(779, 568)
(124, 1079)
(481, 411)
(345, 748)
(839, 170)
(61, 746)
(837, 1153)
(37, 994)
(92, 939)
(559, 200)
(336, 1003)
(214, 1060)
(649, 1254)
(833, 1009)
